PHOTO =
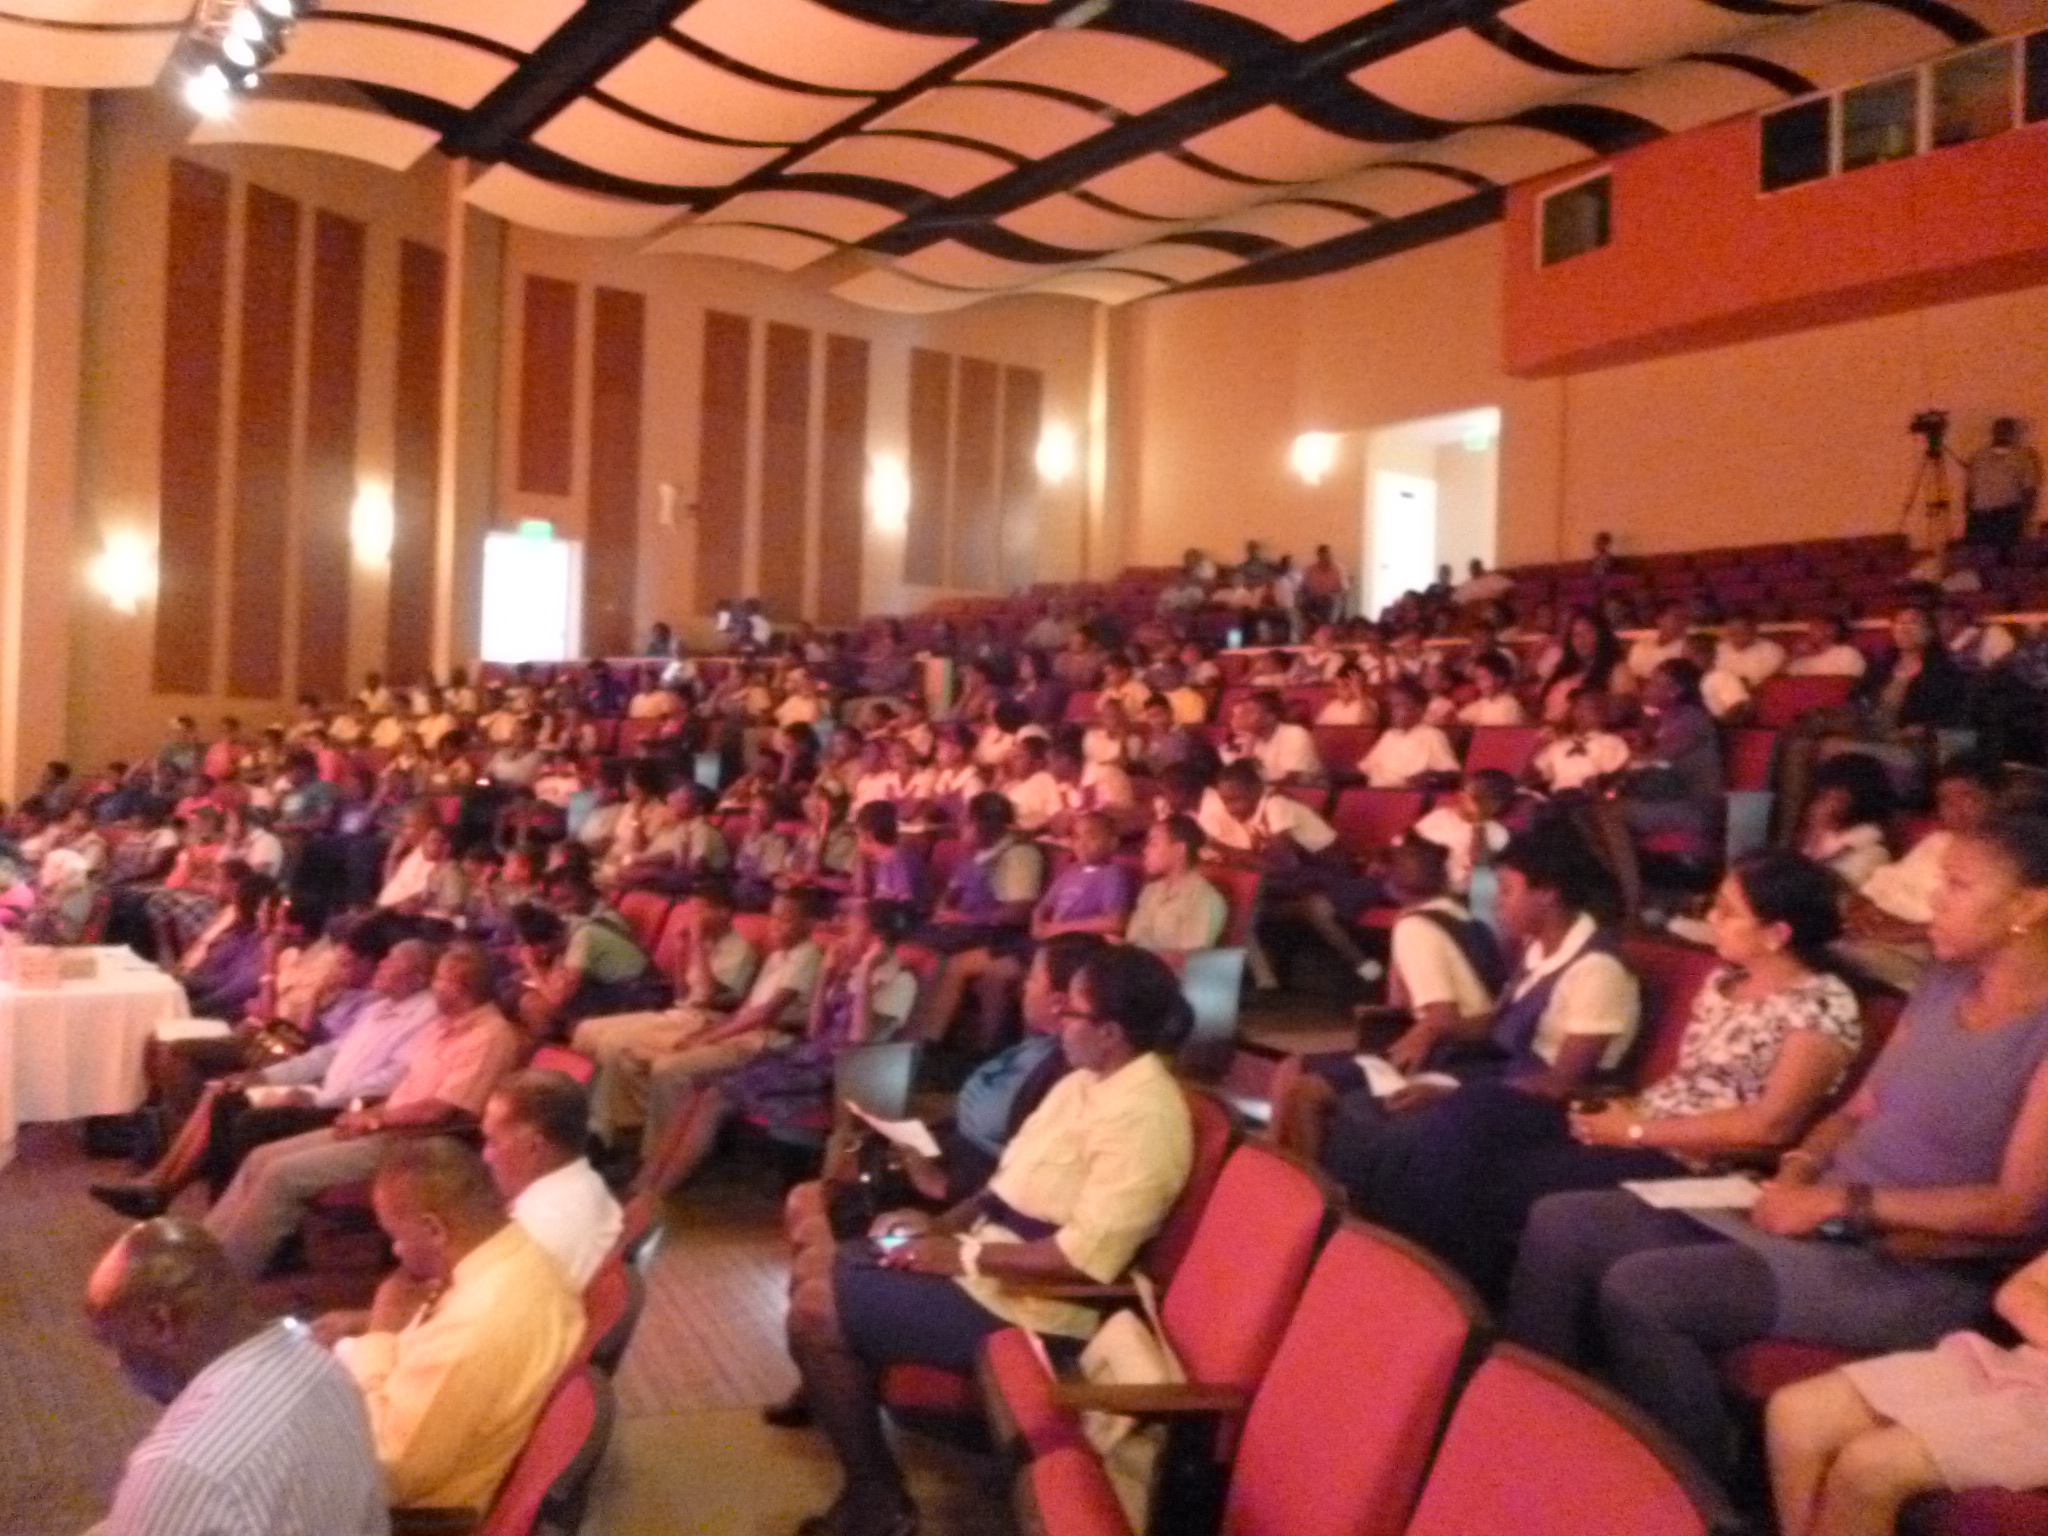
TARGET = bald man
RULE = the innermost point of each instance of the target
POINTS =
(466, 1339)
(264, 1433)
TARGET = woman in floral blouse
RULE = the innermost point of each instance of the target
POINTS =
(1770, 1037)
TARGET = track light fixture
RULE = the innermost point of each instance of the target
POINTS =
(228, 45)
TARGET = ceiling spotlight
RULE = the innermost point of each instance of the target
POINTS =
(238, 50)
(207, 92)
(247, 24)
(283, 10)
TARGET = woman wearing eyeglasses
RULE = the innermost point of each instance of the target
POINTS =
(1086, 1180)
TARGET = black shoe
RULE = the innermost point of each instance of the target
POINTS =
(793, 1412)
(137, 1201)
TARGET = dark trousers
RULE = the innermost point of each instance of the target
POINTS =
(1460, 1176)
(180, 1070)
(1996, 525)
(1651, 1299)
(239, 1128)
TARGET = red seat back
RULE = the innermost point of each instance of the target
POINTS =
(552, 1474)
(559, 1058)
(1750, 753)
(1341, 746)
(1340, 1430)
(1506, 747)
(611, 1311)
(667, 950)
(1672, 975)
(1533, 1450)
(1231, 1296)
(1213, 1135)
(645, 912)
(1240, 891)
(1369, 819)
(1781, 701)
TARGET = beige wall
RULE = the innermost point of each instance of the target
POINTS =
(1797, 436)
(1049, 334)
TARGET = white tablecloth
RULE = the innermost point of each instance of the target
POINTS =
(76, 1050)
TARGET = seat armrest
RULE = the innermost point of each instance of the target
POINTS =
(1162, 1400)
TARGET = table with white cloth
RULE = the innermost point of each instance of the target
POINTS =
(75, 1049)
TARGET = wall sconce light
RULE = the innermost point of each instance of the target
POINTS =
(888, 493)
(1314, 455)
(372, 523)
(124, 571)
(1057, 454)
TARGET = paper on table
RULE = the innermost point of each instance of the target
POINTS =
(905, 1133)
(1732, 1192)
(1385, 1079)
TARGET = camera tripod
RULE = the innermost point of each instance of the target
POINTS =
(1929, 492)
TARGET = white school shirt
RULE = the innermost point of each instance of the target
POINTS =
(1752, 663)
(1501, 709)
(1598, 997)
(1428, 967)
(1836, 661)
(1276, 815)
(1399, 755)
(1572, 762)
(1450, 831)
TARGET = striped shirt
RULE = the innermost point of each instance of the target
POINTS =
(271, 1439)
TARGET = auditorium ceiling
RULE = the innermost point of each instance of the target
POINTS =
(921, 155)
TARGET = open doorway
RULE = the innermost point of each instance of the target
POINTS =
(1432, 497)
(533, 589)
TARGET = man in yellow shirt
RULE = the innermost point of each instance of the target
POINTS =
(467, 1338)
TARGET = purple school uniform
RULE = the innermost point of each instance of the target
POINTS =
(1083, 892)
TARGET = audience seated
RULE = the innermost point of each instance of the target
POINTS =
(450, 1071)
(1883, 1229)
(535, 1127)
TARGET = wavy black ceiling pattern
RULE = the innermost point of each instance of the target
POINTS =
(944, 151)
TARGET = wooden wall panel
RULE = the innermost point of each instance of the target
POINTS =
(265, 399)
(333, 367)
(931, 432)
(1023, 413)
(188, 486)
(785, 469)
(416, 460)
(611, 551)
(547, 387)
(842, 499)
(976, 531)
(722, 458)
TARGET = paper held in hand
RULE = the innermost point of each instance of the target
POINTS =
(1385, 1079)
(1731, 1192)
(905, 1133)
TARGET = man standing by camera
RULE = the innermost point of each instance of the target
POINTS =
(2002, 481)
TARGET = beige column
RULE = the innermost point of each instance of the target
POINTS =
(472, 309)
(43, 171)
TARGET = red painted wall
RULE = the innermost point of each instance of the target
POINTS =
(1700, 258)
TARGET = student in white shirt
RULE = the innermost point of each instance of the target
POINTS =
(1667, 641)
(1583, 754)
(1284, 753)
(1975, 646)
(1841, 826)
(1434, 991)
(1886, 921)
(1352, 704)
(1253, 826)
(1034, 794)
(1492, 676)
(1745, 652)
(535, 1127)
(1725, 694)
(1825, 651)
(1407, 750)
(1467, 826)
